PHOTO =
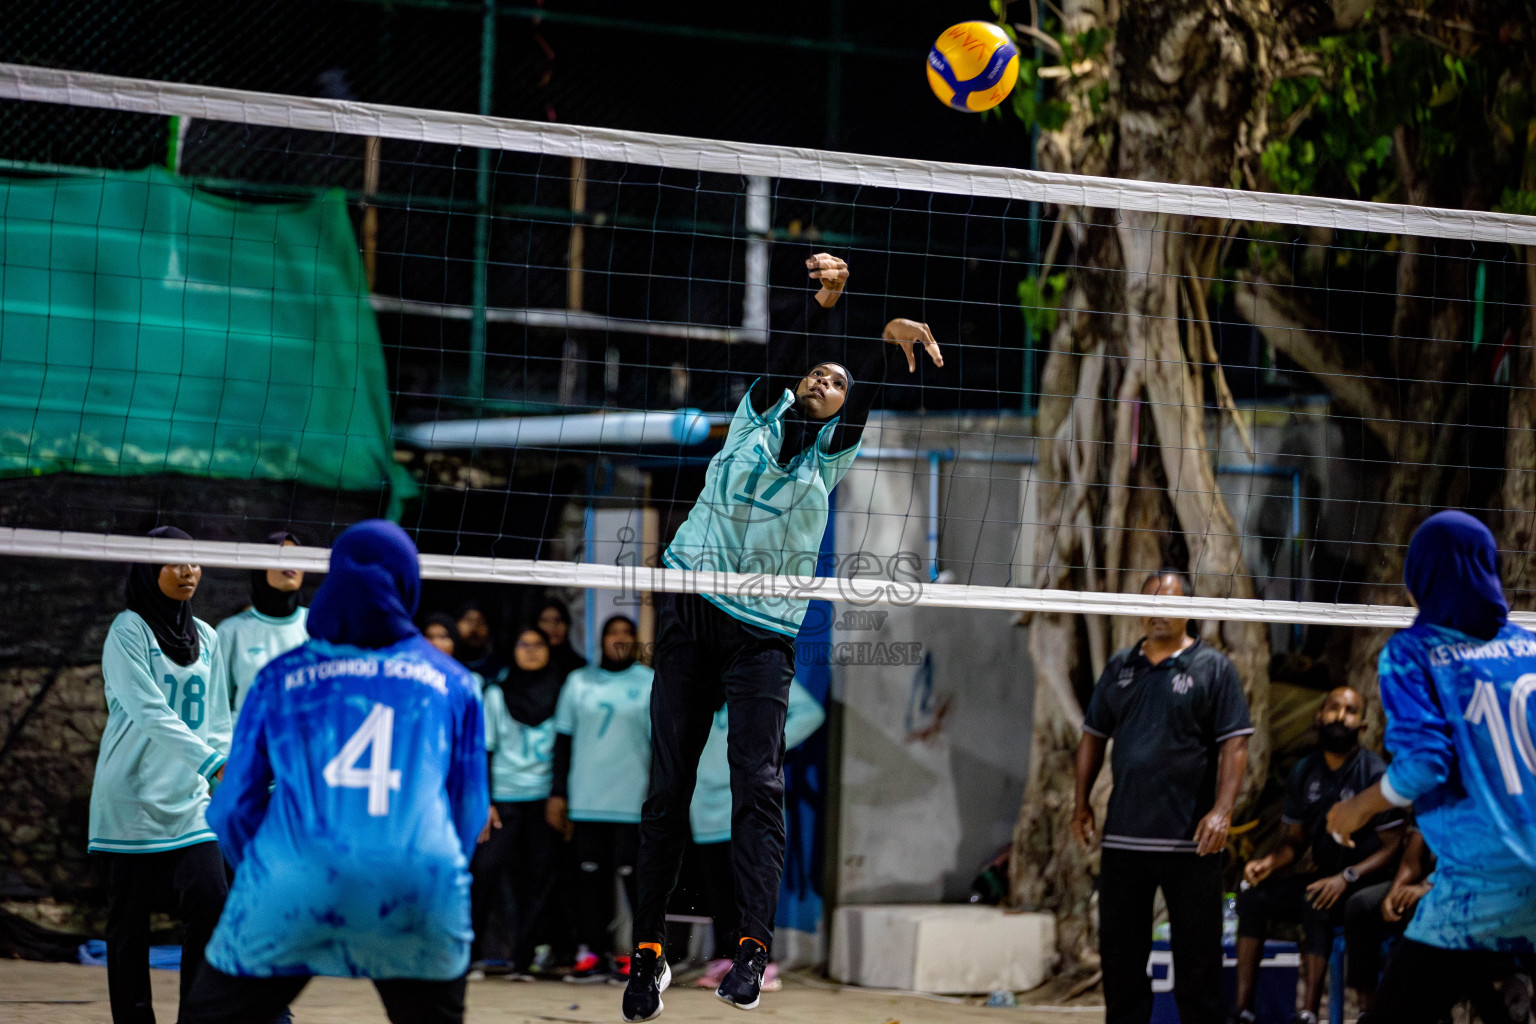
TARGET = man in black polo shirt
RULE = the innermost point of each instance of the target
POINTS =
(1336, 771)
(1176, 711)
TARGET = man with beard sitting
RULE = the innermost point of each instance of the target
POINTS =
(1339, 769)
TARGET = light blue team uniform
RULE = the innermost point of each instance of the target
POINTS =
(608, 717)
(168, 732)
(1461, 719)
(522, 756)
(753, 516)
(356, 863)
(249, 640)
(710, 813)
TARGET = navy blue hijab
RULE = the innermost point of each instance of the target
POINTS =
(1452, 571)
(371, 590)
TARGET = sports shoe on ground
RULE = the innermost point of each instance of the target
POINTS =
(618, 971)
(743, 986)
(771, 980)
(649, 976)
(1243, 1017)
(1304, 1017)
(475, 974)
(590, 968)
(519, 975)
(714, 973)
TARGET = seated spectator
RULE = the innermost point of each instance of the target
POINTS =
(1316, 900)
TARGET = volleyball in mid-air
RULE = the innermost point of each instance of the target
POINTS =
(973, 66)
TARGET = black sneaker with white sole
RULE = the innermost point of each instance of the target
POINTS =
(649, 976)
(743, 986)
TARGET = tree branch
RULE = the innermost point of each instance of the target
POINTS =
(1284, 325)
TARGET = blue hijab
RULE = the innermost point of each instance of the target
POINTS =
(371, 590)
(1452, 571)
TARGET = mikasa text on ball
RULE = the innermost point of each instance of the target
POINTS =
(973, 66)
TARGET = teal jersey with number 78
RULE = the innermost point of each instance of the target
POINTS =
(755, 516)
(168, 731)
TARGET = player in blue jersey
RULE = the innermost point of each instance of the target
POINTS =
(274, 624)
(166, 738)
(1456, 687)
(710, 818)
(514, 867)
(763, 509)
(352, 801)
(602, 757)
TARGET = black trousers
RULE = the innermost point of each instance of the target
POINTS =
(1423, 983)
(1191, 887)
(1285, 899)
(513, 873)
(220, 998)
(602, 848)
(705, 657)
(191, 885)
(1364, 932)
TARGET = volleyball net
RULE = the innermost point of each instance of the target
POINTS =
(239, 312)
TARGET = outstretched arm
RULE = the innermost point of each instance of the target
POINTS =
(790, 353)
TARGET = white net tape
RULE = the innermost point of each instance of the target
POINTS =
(110, 92)
(846, 589)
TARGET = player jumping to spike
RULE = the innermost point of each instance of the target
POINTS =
(763, 509)
(350, 806)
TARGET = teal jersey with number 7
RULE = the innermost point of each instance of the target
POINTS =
(755, 516)
(607, 715)
(168, 731)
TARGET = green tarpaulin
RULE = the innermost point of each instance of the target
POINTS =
(148, 327)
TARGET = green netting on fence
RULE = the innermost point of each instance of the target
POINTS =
(148, 327)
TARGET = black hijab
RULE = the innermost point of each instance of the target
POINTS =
(531, 696)
(608, 664)
(564, 655)
(447, 622)
(267, 599)
(475, 657)
(169, 619)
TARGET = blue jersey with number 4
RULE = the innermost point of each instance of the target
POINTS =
(1461, 719)
(355, 864)
(755, 516)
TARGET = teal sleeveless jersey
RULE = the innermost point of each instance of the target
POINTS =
(755, 517)
(168, 731)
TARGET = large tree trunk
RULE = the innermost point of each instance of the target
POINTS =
(1121, 492)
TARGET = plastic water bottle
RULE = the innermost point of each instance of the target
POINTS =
(1229, 920)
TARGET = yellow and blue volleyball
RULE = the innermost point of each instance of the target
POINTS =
(973, 66)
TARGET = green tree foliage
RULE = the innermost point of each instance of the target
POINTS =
(1435, 97)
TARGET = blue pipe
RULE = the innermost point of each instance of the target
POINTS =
(934, 459)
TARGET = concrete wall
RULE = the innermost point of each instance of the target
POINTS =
(935, 744)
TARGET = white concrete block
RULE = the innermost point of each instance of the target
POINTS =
(949, 948)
